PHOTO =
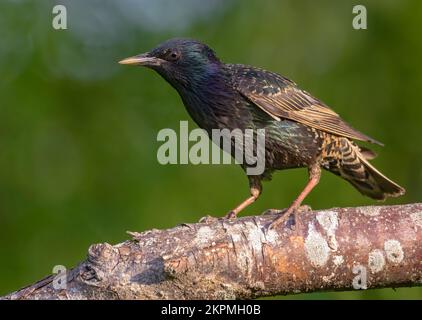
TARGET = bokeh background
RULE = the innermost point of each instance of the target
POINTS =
(78, 131)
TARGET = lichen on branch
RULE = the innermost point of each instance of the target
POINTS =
(335, 249)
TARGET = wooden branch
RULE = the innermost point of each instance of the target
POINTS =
(335, 249)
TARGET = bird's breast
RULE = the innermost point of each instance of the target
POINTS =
(288, 143)
(216, 108)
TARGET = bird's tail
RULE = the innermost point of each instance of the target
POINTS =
(355, 168)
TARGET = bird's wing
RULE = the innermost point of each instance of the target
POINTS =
(281, 98)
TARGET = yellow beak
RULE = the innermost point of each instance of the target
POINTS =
(141, 60)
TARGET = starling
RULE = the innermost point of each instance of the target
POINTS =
(300, 130)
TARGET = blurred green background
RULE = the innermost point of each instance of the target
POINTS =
(78, 131)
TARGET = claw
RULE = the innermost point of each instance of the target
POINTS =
(208, 219)
(269, 212)
(230, 215)
(286, 213)
(304, 208)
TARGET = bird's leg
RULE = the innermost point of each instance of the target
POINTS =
(255, 187)
(314, 175)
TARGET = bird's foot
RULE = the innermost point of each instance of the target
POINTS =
(269, 212)
(230, 215)
(285, 215)
(208, 219)
(303, 208)
(282, 218)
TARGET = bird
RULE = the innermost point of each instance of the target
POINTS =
(301, 131)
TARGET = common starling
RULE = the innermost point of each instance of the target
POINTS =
(300, 130)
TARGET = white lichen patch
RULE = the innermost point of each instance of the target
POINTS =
(255, 236)
(393, 251)
(370, 211)
(203, 235)
(329, 222)
(376, 261)
(236, 237)
(338, 260)
(316, 247)
(417, 218)
(272, 236)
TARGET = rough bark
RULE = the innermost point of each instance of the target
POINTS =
(333, 249)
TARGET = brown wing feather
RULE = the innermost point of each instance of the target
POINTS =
(281, 98)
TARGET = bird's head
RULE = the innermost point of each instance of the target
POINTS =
(180, 61)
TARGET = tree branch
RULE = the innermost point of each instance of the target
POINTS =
(333, 249)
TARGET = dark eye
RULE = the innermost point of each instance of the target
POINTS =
(172, 55)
